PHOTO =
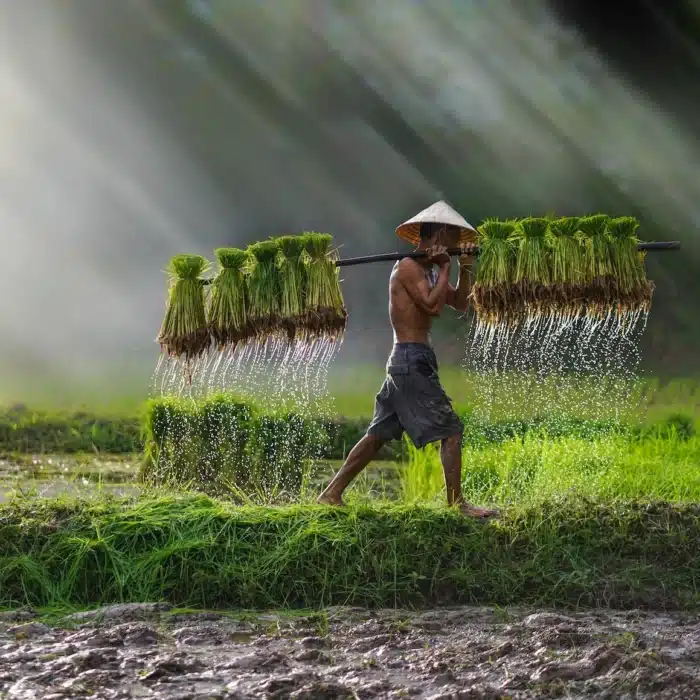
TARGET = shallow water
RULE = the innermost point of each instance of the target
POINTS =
(51, 476)
(132, 651)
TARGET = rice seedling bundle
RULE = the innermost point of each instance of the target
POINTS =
(325, 313)
(493, 292)
(264, 289)
(226, 446)
(533, 273)
(225, 422)
(568, 273)
(292, 283)
(633, 290)
(185, 331)
(228, 313)
(172, 445)
(599, 271)
(568, 266)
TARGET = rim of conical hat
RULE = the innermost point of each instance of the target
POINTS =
(438, 213)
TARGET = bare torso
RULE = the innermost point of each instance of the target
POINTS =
(410, 323)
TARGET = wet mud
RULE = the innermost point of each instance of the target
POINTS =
(151, 651)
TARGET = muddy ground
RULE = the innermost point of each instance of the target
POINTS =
(148, 651)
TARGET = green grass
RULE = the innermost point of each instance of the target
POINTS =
(595, 513)
(118, 430)
(197, 552)
(528, 470)
(26, 430)
(353, 389)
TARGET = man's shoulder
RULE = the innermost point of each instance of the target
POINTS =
(408, 266)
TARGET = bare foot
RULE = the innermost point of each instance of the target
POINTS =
(475, 512)
(328, 499)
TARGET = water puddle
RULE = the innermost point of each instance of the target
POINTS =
(59, 476)
(51, 476)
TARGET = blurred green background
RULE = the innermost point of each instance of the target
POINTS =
(132, 130)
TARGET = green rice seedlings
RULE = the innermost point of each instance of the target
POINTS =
(493, 293)
(225, 422)
(568, 274)
(599, 270)
(634, 291)
(264, 289)
(533, 274)
(325, 313)
(185, 332)
(228, 314)
(292, 283)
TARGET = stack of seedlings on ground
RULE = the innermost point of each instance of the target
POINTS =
(172, 445)
(185, 332)
(228, 315)
(292, 284)
(225, 424)
(533, 275)
(633, 291)
(283, 448)
(228, 447)
(568, 273)
(599, 265)
(325, 314)
(493, 293)
(264, 290)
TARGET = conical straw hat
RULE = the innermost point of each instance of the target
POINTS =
(438, 213)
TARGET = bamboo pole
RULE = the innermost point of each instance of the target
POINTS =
(391, 257)
(387, 257)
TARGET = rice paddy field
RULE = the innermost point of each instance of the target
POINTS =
(605, 508)
(114, 580)
(179, 523)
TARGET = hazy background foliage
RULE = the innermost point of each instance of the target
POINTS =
(132, 130)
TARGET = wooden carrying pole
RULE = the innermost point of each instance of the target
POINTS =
(384, 257)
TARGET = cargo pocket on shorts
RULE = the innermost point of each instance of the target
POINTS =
(397, 370)
(436, 405)
(393, 384)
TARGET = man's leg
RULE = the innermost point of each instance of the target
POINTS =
(451, 457)
(385, 426)
(360, 456)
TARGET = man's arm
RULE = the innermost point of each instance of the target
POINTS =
(458, 297)
(412, 277)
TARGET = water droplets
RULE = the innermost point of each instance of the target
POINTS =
(555, 365)
(248, 421)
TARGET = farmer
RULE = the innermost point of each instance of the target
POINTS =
(411, 399)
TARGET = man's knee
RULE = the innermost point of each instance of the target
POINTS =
(374, 441)
(454, 440)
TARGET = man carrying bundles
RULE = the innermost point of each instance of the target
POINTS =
(411, 399)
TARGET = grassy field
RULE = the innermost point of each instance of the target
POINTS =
(526, 471)
(353, 389)
(69, 425)
(595, 512)
(198, 552)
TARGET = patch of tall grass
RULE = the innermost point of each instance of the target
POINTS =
(193, 551)
(660, 464)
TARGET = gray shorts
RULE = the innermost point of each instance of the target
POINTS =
(412, 400)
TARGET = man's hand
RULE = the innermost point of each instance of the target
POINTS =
(438, 255)
(466, 258)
